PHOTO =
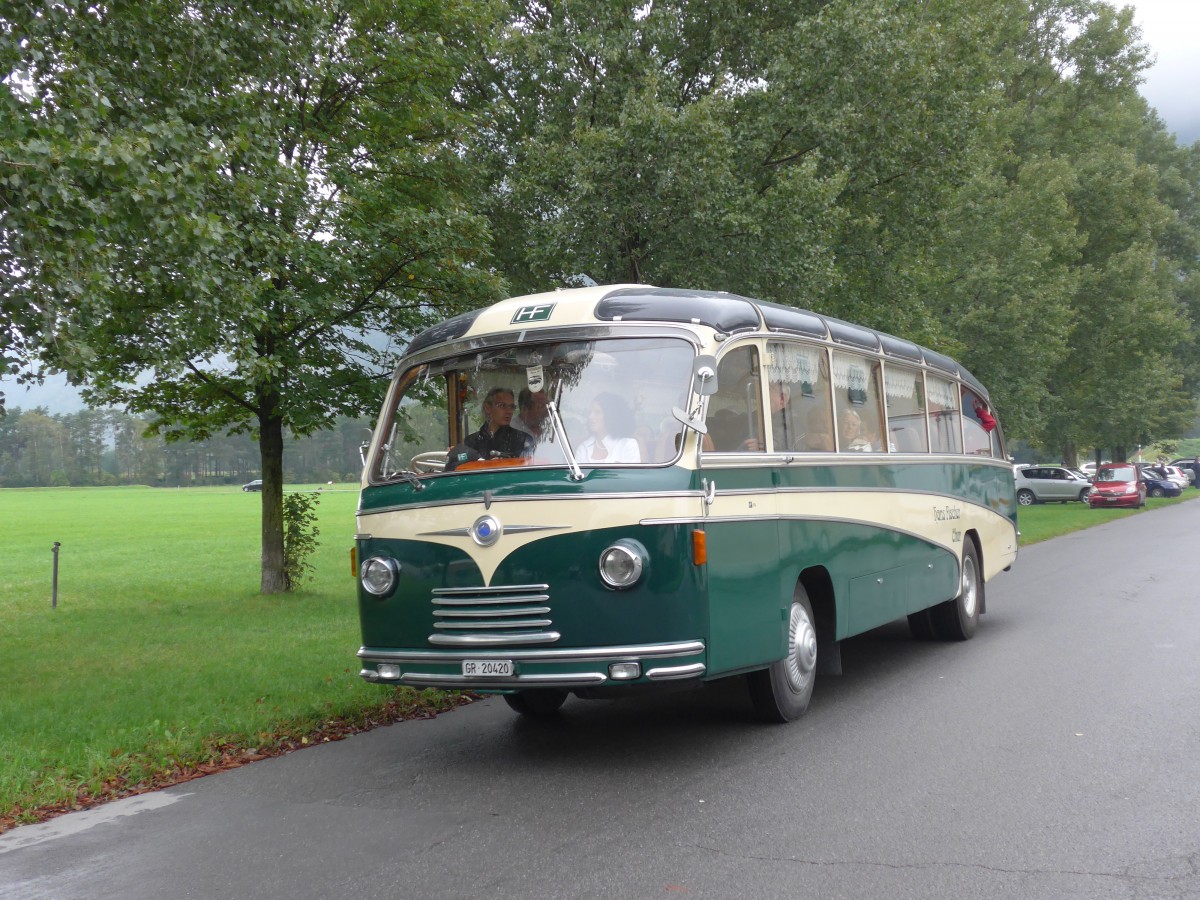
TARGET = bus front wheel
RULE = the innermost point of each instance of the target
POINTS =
(955, 620)
(536, 703)
(782, 692)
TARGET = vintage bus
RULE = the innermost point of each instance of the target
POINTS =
(609, 489)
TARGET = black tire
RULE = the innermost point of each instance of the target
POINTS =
(781, 693)
(1156, 492)
(956, 620)
(921, 625)
(1025, 497)
(1083, 495)
(536, 703)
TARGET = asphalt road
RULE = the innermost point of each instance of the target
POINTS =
(1057, 754)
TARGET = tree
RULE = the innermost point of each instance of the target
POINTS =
(210, 209)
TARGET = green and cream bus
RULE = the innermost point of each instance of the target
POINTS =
(610, 489)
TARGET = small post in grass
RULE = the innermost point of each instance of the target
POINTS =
(54, 581)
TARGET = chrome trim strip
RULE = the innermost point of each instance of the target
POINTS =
(475, 640)
(581, 654)
(492, 613)
(515, 623)
(566, 679)
(489, 601)
(504, 529)
(666, 673)
(496, 589)
(525, 498)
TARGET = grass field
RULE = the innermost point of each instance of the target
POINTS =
(162, 658)
(161, 654)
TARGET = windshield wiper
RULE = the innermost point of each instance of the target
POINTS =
(561, 433)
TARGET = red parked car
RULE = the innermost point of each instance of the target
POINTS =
(1118, 484)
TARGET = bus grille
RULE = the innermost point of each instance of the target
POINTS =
(500, 616)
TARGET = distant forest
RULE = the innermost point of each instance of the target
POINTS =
(111, 447)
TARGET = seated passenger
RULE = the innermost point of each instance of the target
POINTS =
(818, 434)
(496, 437)
(850, 430)
(610, 426)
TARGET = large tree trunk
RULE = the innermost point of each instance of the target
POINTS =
(270, 446)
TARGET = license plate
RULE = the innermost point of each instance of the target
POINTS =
(488, 668)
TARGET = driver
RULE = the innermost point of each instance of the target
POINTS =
(496, 437)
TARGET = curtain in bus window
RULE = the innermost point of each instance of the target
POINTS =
(735, 411)
(906, 410)
(798, 393)
(858, 402)
(944, 426)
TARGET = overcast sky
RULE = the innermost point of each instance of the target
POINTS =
(1172, 86)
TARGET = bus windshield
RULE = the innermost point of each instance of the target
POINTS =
(491, 407)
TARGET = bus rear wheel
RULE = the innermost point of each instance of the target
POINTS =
(537, 703)
(782, 692)
(955, 620)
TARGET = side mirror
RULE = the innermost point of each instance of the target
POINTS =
(704, 375)
(362, 451)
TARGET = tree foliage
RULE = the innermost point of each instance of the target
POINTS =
(210, 210)
(979, 176)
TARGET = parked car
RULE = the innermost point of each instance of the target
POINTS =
(255, 485)
(1187, 464)
(1042, 484)
(1118, 484)
(1175, 474)
(1158, 484)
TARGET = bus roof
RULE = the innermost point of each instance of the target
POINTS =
(721, 311)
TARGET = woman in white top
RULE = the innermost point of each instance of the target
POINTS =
(610, 422)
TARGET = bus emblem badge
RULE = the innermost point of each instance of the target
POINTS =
(539, 313)
(486, 531)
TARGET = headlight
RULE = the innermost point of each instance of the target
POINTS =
(378, 575)
(622, 564)
(1131, 488)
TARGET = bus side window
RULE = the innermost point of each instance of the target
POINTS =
(735, 411)
(805, 424)
(978, 425)
(859, 403)
(905, 392)
(943, 416)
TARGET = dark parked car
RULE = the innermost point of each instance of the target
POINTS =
(1158, 484)
(1118, 484)
(255, 485)
(1041, 484)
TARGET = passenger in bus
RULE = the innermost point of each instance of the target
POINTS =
(496, 437)
(533, 412)
(610, 439)
(850, 429)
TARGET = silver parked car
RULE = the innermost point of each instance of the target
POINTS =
(1042, 484)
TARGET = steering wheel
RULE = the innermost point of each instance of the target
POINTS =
(431, 461)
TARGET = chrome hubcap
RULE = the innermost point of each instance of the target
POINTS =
(969, 591)
(802, 649)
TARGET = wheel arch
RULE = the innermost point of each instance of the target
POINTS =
(818, 585)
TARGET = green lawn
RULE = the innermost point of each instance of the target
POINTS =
(161, 653)
(1047, 520)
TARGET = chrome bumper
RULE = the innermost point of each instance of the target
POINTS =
(558, 668)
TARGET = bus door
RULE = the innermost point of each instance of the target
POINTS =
(747, 608)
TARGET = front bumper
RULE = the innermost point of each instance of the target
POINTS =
(1130, 500)
(566, 668)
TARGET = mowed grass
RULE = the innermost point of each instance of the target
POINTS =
(161, 653)
(1043, 521)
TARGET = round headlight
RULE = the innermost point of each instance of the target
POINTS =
(378, 575)
(622, 564)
